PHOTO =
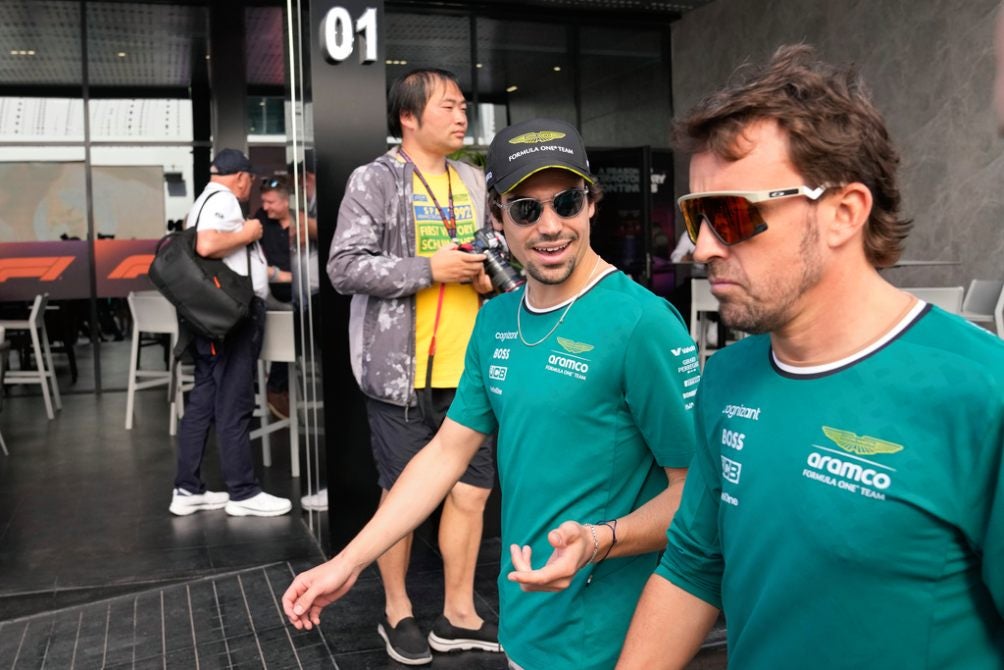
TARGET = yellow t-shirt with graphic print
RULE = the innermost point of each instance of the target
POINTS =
(460, 301)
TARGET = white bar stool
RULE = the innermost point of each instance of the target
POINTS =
(44, 373)
(948, 298)
(702, 302)
(278, 345)
(4, 348)
(151, 313)
(984, 301)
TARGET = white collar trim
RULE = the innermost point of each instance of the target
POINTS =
(891, 334)
(595, 280)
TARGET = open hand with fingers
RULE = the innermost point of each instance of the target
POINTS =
(573, 547)
(315, 589)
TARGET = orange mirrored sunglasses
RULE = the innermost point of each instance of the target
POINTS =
(733, 215)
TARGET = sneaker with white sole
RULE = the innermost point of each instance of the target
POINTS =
(261, 504)
(315, 502)
(185, 502)
(444, 636)
(405, 642)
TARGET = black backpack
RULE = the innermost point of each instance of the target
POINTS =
(211, 299)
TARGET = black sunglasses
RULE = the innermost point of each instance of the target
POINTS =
(273, 182)
(526, 211)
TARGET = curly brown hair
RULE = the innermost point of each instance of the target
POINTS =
(835, 134)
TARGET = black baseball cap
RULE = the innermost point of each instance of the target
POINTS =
(528, 147)
(230, 161)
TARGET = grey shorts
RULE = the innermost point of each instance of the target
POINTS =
(397, 434)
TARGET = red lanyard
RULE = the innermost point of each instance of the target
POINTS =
(449, 223)
(451, 230)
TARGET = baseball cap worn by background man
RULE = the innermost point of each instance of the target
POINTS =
(528, 147)
(230, 161)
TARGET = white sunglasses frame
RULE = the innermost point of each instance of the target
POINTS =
(754, 197)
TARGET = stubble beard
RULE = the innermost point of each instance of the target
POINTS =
(552, 275)
(771, 307)
(542, 276)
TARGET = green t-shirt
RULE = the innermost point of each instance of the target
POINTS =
(852, 516)
(586, 420)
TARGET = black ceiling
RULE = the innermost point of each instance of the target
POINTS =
(128, 44)
(156, 45)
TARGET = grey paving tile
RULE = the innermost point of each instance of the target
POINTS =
(11, 638)
(63, 640)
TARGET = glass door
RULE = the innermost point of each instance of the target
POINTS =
(307, 273)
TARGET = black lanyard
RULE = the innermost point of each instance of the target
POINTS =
(451, 223)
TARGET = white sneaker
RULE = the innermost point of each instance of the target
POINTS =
(185, 502)
(262, 504)
(316, 502)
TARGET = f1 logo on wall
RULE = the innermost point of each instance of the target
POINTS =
(134, 266)
(63, 268)
(42, 268)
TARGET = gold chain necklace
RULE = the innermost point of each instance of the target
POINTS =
(519, 309)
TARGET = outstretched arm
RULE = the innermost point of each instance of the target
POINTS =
(423, 484)
(668, 628)
(575, 545)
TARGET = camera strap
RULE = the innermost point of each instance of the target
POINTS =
(451, 229)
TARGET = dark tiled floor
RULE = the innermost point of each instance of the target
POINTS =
(94, 572)
(83, 507)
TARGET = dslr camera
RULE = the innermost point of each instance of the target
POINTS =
(504, 276)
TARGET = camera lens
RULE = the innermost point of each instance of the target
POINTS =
(503, 276)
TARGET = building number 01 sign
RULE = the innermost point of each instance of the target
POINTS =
(338, 35)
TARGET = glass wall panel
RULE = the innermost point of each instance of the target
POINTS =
(292, 34)
(431, 41)
(140, 63)
(525, 68)
(428, 40)
(625, 86)
(266, 116)
(43, 203)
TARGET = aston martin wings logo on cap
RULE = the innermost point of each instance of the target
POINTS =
(573, 347)
(537, 137)
(862, 445)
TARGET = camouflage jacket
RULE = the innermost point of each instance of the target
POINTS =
(373, 258)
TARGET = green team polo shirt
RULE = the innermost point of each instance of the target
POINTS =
(586, 421)
(852, 516)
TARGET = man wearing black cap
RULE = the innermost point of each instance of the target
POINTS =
(588, 379)
(223, 394)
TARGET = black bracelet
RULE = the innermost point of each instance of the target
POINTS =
(612, 525)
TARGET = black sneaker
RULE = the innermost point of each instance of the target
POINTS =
(447, 637)
(405, 643)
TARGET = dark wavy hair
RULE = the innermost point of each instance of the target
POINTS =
(410, 93)
(836, 135)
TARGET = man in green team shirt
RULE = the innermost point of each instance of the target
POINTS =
(589, 380)
(845, 508)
